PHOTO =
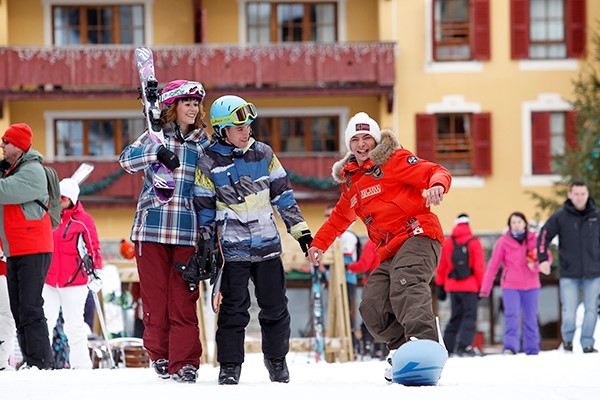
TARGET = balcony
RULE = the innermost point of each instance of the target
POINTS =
(292, 69)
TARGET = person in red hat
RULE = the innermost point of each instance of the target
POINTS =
(22, 183)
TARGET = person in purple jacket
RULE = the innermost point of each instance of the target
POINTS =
(516, 251)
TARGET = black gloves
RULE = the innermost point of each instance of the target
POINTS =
(305, 240)
(168, 158)
(441, 293)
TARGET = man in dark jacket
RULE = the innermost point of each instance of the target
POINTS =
(26, 234)
(578, 229)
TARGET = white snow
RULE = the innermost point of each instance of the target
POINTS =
(550, 375)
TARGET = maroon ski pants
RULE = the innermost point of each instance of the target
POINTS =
(169, 307)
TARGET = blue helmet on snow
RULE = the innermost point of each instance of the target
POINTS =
(231, 110)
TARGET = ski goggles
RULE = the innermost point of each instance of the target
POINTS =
(239, 116)
(188, 89)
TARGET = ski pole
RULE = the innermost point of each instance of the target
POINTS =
(103, 328)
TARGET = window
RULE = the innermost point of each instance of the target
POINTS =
(273, 22)
(299, 134)
(102, 24)
(461, 30)
(461, 142)
(95, 137)
(548, 29)
(551, 133)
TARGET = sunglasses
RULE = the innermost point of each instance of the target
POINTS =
(239, 116)
(5, 142)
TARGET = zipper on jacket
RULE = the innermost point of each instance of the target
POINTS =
(235, 189)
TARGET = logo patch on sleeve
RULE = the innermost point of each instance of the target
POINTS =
(412, 160)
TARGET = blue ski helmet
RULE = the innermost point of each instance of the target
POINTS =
(231, 110)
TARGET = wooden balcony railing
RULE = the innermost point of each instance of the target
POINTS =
(112, 68)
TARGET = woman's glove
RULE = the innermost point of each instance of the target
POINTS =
(168, 158)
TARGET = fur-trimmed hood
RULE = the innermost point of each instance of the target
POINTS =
(382, 152)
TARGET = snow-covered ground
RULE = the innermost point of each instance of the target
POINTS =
(550, 375)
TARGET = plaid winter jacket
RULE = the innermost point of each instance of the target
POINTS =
(173, 222)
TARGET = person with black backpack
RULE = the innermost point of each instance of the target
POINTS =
(460, 273)
(26, 234)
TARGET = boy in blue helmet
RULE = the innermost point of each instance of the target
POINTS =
(237, 185)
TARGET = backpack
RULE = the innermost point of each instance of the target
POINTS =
(460, 260)
(55, 207)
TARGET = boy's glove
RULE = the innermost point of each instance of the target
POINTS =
(305, 240)
(168, 158)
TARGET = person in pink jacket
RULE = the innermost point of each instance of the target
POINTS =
(67, 282)
(515, 250)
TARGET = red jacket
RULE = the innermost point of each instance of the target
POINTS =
(25, 227)
(386, 193)
(367, 262)
(461, 233)
(65, 269)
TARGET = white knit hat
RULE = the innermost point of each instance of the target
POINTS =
(70, 189)
(362, 123)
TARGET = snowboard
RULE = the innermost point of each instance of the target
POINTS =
(419, 363)
(162, 177)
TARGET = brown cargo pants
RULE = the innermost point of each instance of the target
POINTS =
(396, 299)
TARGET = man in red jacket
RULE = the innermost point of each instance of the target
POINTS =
(391, 191)
(26, 234)
(464, 293)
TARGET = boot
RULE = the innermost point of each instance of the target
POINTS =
(161, 367)
(278, 370)
(230, 374)
(187, 374)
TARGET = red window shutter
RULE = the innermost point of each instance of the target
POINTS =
(519, 29)
(575, 28)
(540, 143)
(482, 144)
(481, 29)
(426, 136)
(571, 130)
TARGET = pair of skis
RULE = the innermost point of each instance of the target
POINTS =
(162, 177)
(164, 185)
(317, 305)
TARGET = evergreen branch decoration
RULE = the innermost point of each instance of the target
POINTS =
(312, 182)
(97, 186)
